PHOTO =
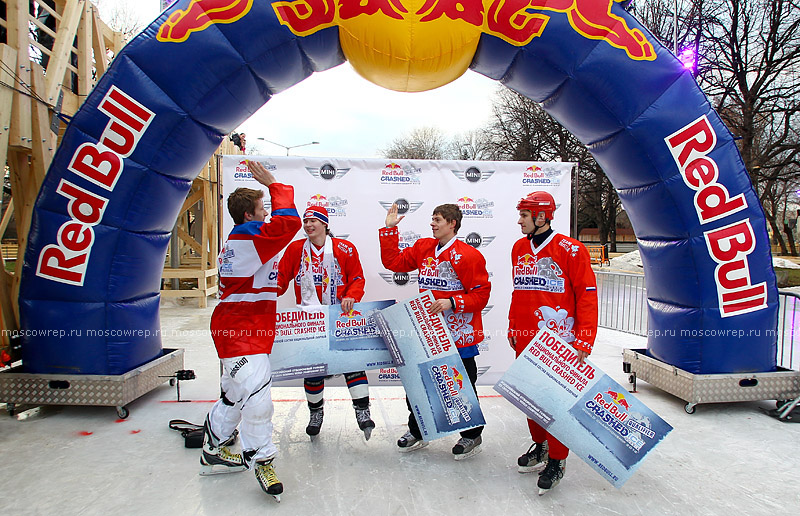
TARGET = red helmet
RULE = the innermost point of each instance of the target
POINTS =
(536, 202)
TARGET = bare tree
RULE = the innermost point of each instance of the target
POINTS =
(521, 130)
(121, 17)
(420, 143)
(471, 145)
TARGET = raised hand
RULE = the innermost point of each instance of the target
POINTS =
(392, 218)
(260, 173)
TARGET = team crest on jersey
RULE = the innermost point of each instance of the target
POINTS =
(461, 327)
(556, 320)
(534, 273)
(572, 249)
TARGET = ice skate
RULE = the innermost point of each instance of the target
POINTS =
(551, 475)
(217, 459)
(365, 423)
(315, 422)
(409, 443)
(268, 480)
(466, 448)
(534, 459)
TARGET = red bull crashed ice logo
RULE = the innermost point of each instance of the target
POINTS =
(510, 20)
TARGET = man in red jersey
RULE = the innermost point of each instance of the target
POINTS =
(456, 275)
(326, 271)
(243, 329)
(554, 288)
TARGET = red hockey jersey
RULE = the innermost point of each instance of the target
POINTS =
(348, 275)
(457, 270)
(243, 323)
(554, 287)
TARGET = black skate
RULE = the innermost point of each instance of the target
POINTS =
(315, 422)
(409, 443)
(216, 459)
(268, 480)
(551, 475)
(534, 459)
(466, 448)
(365, 423)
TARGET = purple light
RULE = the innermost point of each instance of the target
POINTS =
(688, 58)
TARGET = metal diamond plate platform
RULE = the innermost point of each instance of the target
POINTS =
(783, 384)
(20, 388)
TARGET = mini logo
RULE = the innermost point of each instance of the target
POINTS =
(472, 174)
(399, 278)
(476, 240)
(328, 172)
(403, 206)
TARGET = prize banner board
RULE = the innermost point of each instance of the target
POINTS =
(594, 416)
(428, 363)
(322, 340)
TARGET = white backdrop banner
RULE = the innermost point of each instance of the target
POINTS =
(358, 192)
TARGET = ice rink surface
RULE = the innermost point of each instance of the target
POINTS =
(726, 459)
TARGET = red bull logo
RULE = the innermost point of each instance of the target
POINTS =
(393, 166)
(199, 15)
(618, 398)
(526, 260)
(458, 378)
(318, 200)
(534, 168)
(429, 264)
(510, 20)
(352, 314)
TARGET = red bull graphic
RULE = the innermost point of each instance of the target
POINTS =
(394, 174)
(509, 20)
(538, 176)
(458, 378)
(619, 399)
(428, 264)
(456, 407)
(475, 208)
(199, 15)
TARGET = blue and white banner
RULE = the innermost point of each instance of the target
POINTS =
(323, 340)
(428, 363)
(594, 416)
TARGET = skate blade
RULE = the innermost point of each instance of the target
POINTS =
(218, 469)
(368, 433)
(416, 446)
(461, 456)
(276, 497)
(543, 491)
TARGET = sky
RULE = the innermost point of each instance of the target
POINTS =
(364, 119)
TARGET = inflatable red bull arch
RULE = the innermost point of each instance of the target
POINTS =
(103, 217)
